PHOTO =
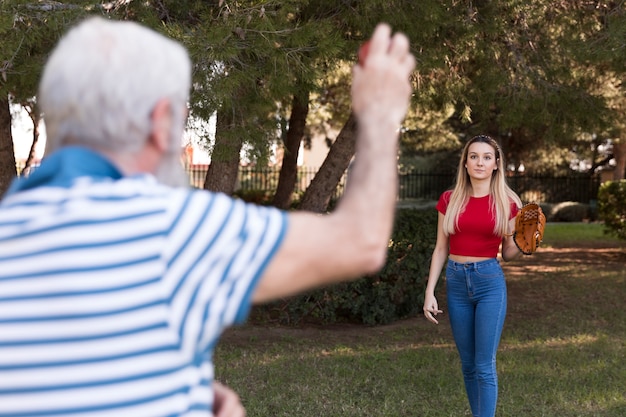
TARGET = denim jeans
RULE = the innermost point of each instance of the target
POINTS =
(477, 299)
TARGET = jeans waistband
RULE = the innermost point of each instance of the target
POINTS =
(472, 265)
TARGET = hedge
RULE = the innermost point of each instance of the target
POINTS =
(396, 292)
(612, 207)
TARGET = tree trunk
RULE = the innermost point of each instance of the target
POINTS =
(289, 167)
(7, 153)
(35, 117)
(222, 173)
(619, 153)
(317, 195)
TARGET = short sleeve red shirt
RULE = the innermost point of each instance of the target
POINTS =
(474, 235)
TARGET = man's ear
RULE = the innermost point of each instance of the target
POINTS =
(161, 130)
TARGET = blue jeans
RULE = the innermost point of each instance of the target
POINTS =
(476, 294)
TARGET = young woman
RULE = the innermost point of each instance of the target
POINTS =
(474, 219)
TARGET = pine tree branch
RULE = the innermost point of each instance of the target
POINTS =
(51, 6)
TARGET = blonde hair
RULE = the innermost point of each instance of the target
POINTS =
(501, 194)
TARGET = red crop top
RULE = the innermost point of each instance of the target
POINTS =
(474, 236)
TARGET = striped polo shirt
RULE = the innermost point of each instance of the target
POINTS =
(113, 295)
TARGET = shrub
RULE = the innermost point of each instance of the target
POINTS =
(396, 292)
(612, 207)
(260, 197)
(570, 211)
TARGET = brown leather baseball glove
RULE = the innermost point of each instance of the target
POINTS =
(529, 224)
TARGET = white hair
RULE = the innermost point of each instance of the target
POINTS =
(103, 80)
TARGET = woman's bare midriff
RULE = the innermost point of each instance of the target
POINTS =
(465, 259)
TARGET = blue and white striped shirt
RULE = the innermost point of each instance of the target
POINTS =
(113, 295)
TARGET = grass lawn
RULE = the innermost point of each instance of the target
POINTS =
(562, 351)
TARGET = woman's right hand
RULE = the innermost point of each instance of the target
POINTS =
(431, 308)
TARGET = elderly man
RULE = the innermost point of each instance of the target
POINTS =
(116, 281)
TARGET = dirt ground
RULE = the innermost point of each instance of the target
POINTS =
(530, 293)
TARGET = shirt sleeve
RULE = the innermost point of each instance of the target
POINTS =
(514, 210)
(219, 248)
(444, 200)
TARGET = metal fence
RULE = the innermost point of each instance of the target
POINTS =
(256, 178)
(422, 185)
(543, 188)
(538, 188)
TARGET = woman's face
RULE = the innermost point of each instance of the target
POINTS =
(481, 161)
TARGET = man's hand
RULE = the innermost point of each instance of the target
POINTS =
(380, 84)
(363, 51)
(226, 402)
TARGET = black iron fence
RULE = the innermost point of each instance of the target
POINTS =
(422, 185)
(256, 178)
(540, 188)
(543, 188)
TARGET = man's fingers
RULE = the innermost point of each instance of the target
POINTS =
(379, 43)
(399, 45)
(383, 43)
(399, 49)
(227, 402)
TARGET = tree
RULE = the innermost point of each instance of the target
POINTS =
(7, 156)
(520, 71)
(293, 139)
(35, 117)
(222, 173)
(255, 51)
(516, 64)
(319, 192)
(604, 56)
(526, 72)
(28, 30)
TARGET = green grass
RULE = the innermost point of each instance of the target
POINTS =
(562, 351)
(564, 234)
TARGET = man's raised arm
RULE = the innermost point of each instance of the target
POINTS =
(353, 240)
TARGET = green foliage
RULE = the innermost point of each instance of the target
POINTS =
(570, 211)
(251, 57)
(254, 196)
(525, 72)
(612, 207)
(396, 292)
(29, 30)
